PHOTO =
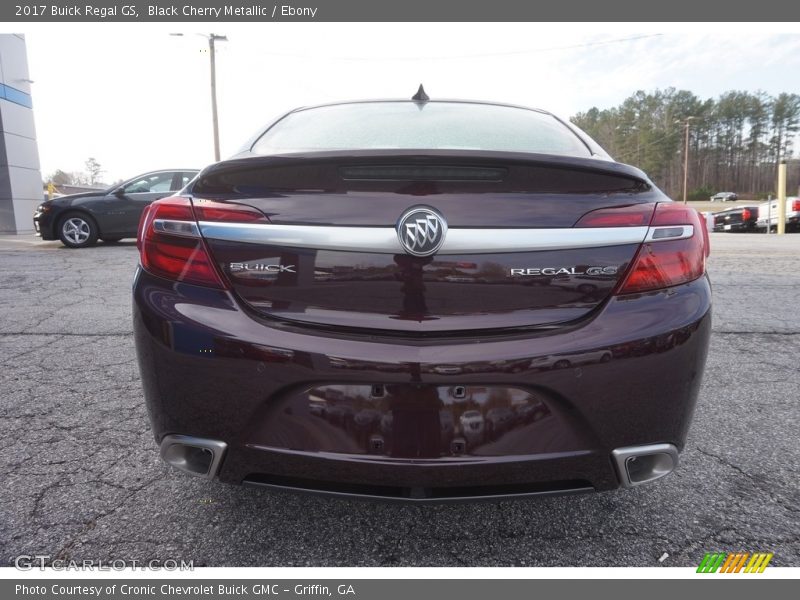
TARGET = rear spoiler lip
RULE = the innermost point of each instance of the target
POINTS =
(247, 160)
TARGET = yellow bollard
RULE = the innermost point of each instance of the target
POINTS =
(782, 198)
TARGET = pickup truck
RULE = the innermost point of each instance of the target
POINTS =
(768, 213)
(739, 218)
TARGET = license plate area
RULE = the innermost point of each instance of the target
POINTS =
(418, 421)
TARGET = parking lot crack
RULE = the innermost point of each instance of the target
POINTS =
(759, 483)
(64, 552)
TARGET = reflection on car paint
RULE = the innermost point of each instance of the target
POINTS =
(450, 425)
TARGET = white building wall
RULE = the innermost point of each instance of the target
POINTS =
(20, 174)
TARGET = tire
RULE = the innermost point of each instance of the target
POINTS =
(111, 240)
(77, 230)
(562, 364)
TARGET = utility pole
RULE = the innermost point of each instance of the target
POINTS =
(212, 38)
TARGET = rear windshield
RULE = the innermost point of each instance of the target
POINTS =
(412, 126)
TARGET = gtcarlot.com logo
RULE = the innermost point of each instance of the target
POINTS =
(734, 562)
(27, 562)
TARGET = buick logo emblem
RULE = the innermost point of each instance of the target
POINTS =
(421, 231)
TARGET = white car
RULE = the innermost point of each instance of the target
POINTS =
(472, 426)
(564, 361)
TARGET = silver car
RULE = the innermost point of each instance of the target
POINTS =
(724, 197)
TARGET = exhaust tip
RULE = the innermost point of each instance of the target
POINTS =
(196, 456)
(637, 465)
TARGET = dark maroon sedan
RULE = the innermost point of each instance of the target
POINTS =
(422, 300)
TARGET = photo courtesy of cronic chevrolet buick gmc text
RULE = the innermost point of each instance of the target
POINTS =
(422, 300)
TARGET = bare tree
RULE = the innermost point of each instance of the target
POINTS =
(93, 169)
(59, 177)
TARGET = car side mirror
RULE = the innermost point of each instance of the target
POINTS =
(119, 192)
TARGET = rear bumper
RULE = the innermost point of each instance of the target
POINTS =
(449, 419)
(746, 226)
(792, 223)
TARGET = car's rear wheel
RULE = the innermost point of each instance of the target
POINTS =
(77, 230)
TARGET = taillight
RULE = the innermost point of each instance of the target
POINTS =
(636, 215)
(209, 210)
(796, 205)
(746, 214)
(674, 251)
(170, 245)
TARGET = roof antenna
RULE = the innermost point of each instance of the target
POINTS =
(420, 96)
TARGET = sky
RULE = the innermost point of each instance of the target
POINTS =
(136, 98)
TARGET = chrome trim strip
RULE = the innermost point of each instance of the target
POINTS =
(668, 233)
(383, 240)
(479, 241)
(175, 227)
(319, 237)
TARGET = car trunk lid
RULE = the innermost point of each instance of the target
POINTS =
(326, 251)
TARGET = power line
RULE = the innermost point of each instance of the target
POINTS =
(474, 56)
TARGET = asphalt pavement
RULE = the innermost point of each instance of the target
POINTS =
(81, 477)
